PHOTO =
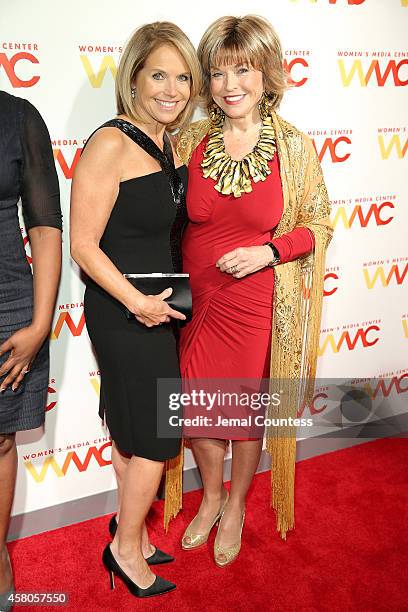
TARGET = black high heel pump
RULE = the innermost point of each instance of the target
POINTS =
(157, 558)
(159, 586)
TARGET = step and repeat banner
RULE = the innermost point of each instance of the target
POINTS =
(348, 63)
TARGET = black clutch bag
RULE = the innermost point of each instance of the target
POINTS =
(153, 284)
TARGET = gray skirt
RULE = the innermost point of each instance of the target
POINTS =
(24, 408)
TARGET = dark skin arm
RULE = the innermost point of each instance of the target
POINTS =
(25, 343)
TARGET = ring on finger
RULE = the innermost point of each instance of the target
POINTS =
(25, 371)
(234, 270)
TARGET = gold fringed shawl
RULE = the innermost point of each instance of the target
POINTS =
(173, 494)
(297, 306)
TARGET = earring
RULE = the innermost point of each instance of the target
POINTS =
(132, 92)
(264, 106)
(216, 114)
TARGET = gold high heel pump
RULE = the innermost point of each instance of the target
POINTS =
(198, 539)
(230, 553)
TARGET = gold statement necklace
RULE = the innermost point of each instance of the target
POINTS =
(234, 176)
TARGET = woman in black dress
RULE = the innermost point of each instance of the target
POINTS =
(127, 213)
(27, 170)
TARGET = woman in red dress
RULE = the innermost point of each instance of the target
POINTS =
(235, 199)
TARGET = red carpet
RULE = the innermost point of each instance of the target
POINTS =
(349, 550)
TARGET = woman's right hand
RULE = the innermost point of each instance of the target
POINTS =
(152, 310)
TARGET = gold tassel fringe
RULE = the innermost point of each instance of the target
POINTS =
(311, 321)
(296, 388)
(173, 501)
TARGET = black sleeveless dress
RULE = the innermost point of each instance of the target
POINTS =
(143, 235)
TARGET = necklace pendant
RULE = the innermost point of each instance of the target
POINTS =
(233, 176)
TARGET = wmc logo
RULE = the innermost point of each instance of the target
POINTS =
(60, 468)
(349, 2)
(376, 72)
(361, 337)
(337, 148)
(382, 388)
(95, 380)
(67, 167)
(52, 401)
(392, 143)
(65, 320)
(376, 214)
(385, 276)
(27, 246)
(98, 60)
(292, 68)
(340, 2)
(97, 76)
(330, 284)
(12, 64)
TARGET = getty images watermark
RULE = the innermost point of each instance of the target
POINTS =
(244, 408)
(215, 402)
(221, 408)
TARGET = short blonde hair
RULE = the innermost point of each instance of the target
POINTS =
(250, 39)
(144, 40)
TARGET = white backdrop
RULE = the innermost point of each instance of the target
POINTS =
(349, 59)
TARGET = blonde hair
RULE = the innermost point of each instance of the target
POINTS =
(143, 41)
(236, 40)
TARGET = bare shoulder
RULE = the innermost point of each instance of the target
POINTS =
(103, 155)
(106, 141)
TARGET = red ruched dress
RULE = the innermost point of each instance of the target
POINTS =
(230, 333)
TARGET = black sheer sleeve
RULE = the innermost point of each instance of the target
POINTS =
(39, 186)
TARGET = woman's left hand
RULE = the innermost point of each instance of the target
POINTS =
(23, 345)
(245, 260)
